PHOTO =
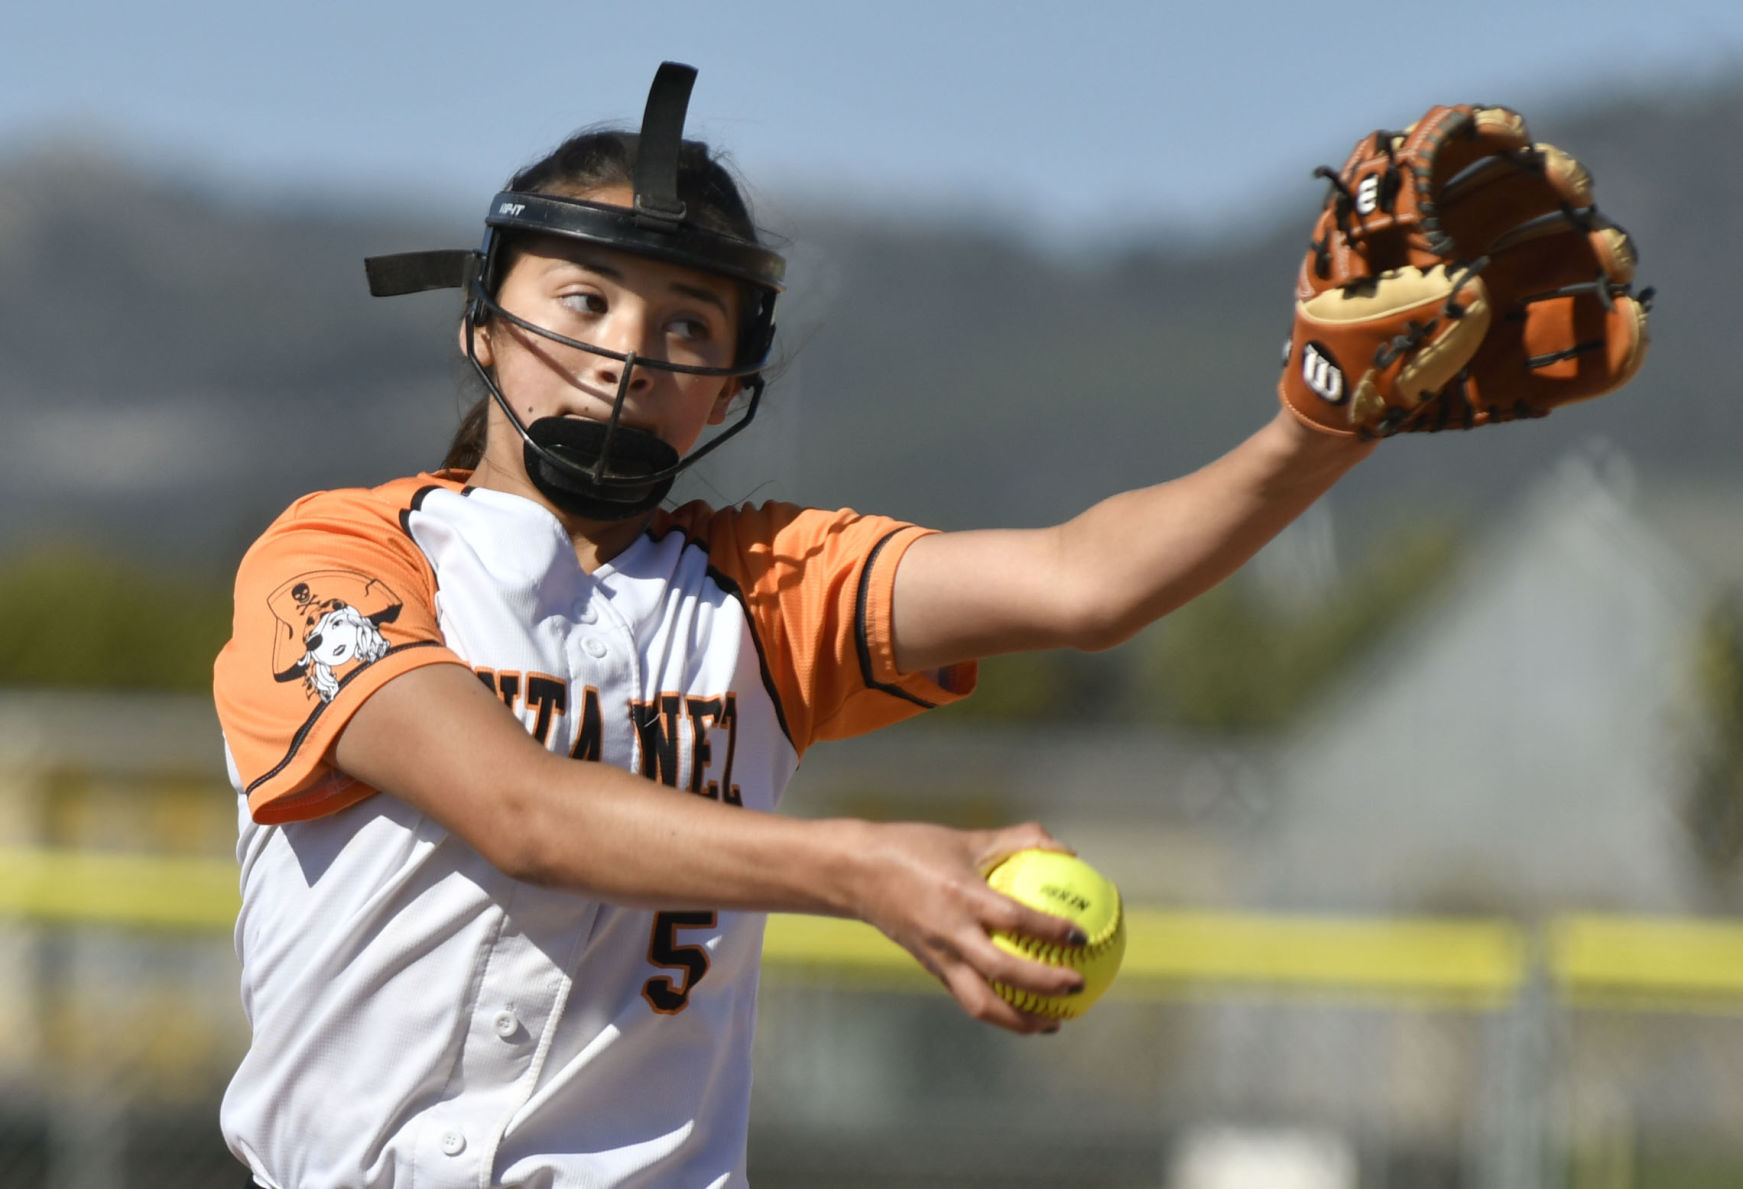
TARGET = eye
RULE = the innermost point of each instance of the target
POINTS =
(692, 328)
(584, 303)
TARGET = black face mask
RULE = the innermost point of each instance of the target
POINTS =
(609, 471)
(566, 459)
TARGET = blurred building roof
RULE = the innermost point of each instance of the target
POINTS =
(1523, 745)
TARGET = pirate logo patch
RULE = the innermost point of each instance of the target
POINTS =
(329, 626)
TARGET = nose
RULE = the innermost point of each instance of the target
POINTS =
(626, 331)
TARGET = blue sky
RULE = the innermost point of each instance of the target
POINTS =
(1075, 119)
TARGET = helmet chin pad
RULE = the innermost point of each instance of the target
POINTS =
(562, 459)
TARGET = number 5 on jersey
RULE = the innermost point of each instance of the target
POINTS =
(662, 993)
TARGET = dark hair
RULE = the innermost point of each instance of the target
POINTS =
(588, 162)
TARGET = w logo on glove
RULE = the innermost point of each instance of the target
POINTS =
(1320, 372)
(1464, 272)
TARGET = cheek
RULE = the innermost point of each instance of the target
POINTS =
(524, 380)
(706, 404)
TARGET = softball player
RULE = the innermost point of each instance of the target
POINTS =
(510, 735)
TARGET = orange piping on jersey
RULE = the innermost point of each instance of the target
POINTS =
(862, 627)
(281, 703)
(817, 586)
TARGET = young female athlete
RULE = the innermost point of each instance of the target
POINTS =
(510, 735)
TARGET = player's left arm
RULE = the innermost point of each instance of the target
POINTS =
(1462, 273)
(1099, 578)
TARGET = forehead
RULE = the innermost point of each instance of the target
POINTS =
(553, 253)
(545, 257)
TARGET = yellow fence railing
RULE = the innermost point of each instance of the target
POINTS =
(88, 887)
(1653, 963)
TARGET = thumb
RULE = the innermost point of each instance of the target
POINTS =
(1000, 845)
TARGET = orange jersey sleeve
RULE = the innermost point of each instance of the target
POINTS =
(819, 587)
(332, 602)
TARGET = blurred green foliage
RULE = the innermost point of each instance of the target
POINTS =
(1237, 660)
(69, 618)
(1686, 1170)
(1022, 687)
(1715, 808)
(1233, 660)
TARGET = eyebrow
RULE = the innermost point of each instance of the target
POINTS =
(592, 264)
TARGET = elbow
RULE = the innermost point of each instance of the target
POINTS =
(519, 857)
(516, 842)
(1105, 636)
(1093, 621)
(527, 862)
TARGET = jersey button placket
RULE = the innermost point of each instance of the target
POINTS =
(453, 1142)
(602, 655)
(507, 1024)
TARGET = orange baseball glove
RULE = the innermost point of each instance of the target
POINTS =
(1459, 275)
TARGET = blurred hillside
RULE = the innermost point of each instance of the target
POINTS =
(179, 365)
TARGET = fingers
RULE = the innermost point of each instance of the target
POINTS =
(935, 902)
(973, 968)
(998, 845)
(1001, 914)
(980, 1001)
(1026, 977)
(1005, 936)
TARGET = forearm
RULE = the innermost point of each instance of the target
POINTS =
(1102, 576)
(1138, 555)
(614, 836)
(437, 740)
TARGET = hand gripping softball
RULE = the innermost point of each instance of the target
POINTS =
(1459, 274)
(1065, 886)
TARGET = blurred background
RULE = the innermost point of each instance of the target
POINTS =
(1430, 820)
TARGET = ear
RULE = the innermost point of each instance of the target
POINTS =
(480, 342)
(723, 402)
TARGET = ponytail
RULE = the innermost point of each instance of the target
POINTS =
(466, 451)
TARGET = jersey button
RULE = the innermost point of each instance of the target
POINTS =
(506, 1024)
(453, 1143)
(583, 611)
(594, 647)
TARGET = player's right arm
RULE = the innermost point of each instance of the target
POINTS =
(338, 684)
(437, 739)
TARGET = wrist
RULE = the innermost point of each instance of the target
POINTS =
(1315, 448)
(844, 852)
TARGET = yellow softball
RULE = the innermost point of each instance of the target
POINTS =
(1063, 885)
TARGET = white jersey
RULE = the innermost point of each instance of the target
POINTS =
(418, 1017)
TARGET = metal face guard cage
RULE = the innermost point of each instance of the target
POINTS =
(657, 226)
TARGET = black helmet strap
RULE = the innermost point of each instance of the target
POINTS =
(662, 135)
(419, 272)
(612, 470)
